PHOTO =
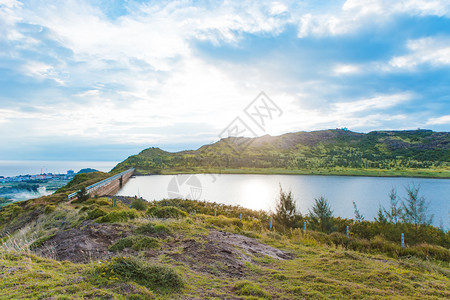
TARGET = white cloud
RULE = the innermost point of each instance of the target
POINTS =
(379, 102)
(278, 8)
(389, 7)
(346, 69)
(444, 120)
(432, 51)
(41, 71)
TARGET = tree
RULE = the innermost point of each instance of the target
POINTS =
(381, 218)
(285, 211)
(321, 216)
(358, 216)
(82, 195)
(415, 208)
(395, 210)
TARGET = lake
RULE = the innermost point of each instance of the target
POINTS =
(261, 191)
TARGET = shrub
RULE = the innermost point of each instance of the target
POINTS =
(117, 216)
(222, 221)
(145, 242)
(166, 212)
(151, 228)
(49, 209)
(247, 288)
(137, 243)
(96, 213)
(121, 244)
(139, 204)
(37, 243)
(158, 278)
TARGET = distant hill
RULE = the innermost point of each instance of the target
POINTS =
(334, 151)
(87, 170)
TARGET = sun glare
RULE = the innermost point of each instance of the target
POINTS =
(255, 193)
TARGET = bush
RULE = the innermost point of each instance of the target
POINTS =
(247, 288)
(49, 209)
(121, 244)
(151, 228)
(222, 221)
(40, 241)
(95, 213)
(158, 278)
(166, 212)
(137, 243)
(145, 242)
(117, 216)
(139, 204)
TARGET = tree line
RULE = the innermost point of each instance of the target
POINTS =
(408, 215)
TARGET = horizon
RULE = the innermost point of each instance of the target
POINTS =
(100, 81)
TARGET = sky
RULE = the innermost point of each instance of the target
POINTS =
(102, 80)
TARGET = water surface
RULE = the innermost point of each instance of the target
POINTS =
(261, 191)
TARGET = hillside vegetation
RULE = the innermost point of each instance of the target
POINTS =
(340, 152)
(179, 249)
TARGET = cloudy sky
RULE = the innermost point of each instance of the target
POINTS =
(101, 80)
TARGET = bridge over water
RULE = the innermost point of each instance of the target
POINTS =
(108, 186)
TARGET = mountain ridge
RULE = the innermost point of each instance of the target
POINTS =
(322, 150)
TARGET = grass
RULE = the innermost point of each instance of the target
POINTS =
(323, 266)
(412, 172)
(137, 243)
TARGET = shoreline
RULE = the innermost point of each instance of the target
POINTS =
(356, 173)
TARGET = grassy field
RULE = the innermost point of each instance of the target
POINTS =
(425, 173)
(156, 251)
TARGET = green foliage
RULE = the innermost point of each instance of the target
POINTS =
(49, 209)
(117, 216)
(395, 212)
(95, 213)
(358, 216)
(37, 243)
(80, 180)
(285, 211)
(415, 208)
(247, 288)
(145, 242)
(222, 221)
(321, 215)
(319, 150)
(82, 195)
(137, 243)
(139, 204)
(166, 212)
(126, 242)
(157, 278)
(151, 228)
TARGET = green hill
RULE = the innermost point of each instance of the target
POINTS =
(338, 151)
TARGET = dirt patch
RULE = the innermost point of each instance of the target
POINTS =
(83, 244)
(248, 245)
(222, 253)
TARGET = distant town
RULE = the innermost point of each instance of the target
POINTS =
(38, 177)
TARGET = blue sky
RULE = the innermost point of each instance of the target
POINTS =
(102, 80)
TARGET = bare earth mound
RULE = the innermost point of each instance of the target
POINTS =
(86, 243)
(219, 253)
(223, 253)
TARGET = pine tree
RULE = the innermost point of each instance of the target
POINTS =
(82, 195)
(358, 216)
(286, 213)
(415, 208)
(321, 216)
(395, 212)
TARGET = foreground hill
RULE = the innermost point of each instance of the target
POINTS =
(178, 249)
(340, 152)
